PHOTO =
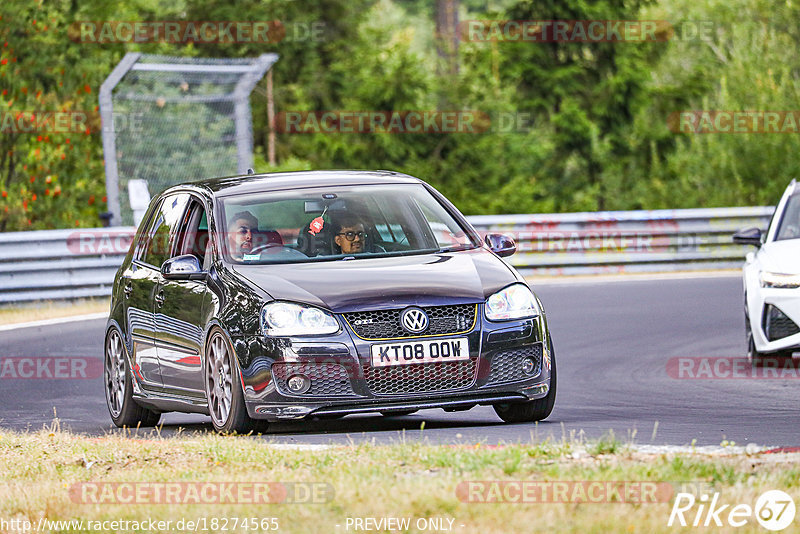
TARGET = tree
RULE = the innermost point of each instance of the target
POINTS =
(589, 91)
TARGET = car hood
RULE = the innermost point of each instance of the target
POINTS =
(781, 256)
(366, 284)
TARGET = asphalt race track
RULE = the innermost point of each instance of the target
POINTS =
(613, 340)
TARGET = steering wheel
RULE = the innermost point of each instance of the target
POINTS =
(259, 248)
(289, 252)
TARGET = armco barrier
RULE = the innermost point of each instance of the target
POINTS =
(69, 264)
(626, 241)
(60, 264)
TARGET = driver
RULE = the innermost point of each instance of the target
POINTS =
(240, 234)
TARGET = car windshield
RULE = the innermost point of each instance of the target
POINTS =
(790, 222)
(330, 223)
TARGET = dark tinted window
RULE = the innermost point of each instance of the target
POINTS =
(790, 221)
(144, 233)
(165, 228)
(193, 238)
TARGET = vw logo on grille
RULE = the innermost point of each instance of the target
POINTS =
(414, 320)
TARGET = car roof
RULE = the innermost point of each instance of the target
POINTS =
(258, 183)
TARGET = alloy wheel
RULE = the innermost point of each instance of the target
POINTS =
(219, 380)
(114, 373)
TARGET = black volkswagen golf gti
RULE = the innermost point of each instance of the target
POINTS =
(285, 296)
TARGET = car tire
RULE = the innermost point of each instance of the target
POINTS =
(399, 413)
(118, 385)
(224, 390)
(535, 410)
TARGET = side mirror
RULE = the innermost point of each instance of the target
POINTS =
(748, 236)
(186, 267)
(500, 244)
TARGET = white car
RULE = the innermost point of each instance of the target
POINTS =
(772, 283)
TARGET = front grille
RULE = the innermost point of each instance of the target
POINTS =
(777, 325)
(385, 324)
(327, 379)
(507, 364)
(420, 378)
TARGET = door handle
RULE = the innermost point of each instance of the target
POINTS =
(160, 298)
(128, 289)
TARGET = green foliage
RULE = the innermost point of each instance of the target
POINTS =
(748, 61)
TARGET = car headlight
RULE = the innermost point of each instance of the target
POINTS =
(785, 281)
(513, 302)
(289, 319)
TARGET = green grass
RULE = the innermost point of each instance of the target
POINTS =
(51, 309)
(406, 479)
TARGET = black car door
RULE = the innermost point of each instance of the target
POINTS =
(178, 307)
(140, 283)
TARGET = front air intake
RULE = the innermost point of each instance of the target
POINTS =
(777, 325)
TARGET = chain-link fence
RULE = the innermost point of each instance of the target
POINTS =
(168, 120)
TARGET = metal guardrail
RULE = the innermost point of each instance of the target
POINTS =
(69, 264)
(626, 241)
(60, 264)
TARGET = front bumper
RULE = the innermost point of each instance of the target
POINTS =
(344, 381)
(774, 319)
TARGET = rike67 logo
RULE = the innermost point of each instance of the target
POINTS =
(774, 510)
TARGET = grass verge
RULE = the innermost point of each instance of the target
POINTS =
(52, 309)
(43, 472)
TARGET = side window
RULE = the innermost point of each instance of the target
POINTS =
(789, 227)
(145, 232)
(165, 227)
(194, 233)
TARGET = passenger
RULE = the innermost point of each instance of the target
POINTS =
(350, 235)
